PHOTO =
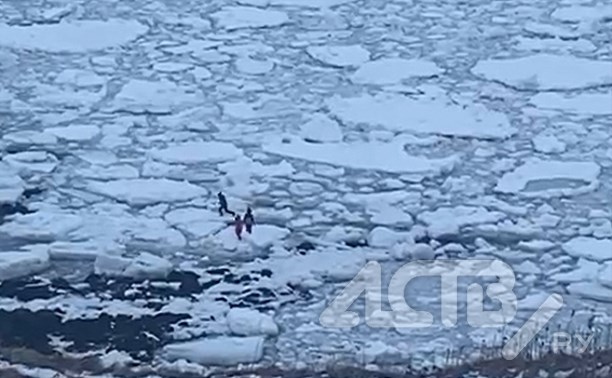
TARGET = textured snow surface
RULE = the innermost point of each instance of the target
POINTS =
(437, 116)
(541, 170)
(74, 36)
(534, 71)
(388, 157)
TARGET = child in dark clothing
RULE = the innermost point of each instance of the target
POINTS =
(249, 220)
(223, 205)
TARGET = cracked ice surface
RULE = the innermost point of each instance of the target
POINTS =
(357, 131)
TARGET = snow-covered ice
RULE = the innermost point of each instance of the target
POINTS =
(393, 71)
(140, 96)
(534, 72)
(239, 17)
(321, 128)
(248, 322)
(524, 180)
(580, 104)
(147, 191)
(74, 133)
(387, 157)
(429, 116)
(11, 185)
(74, 36)
(145, 265)
(339, 56)
(589, 248)
(23, 263)
(218, 351)
(197, 152)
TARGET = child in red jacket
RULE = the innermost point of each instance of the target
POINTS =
(238, 227)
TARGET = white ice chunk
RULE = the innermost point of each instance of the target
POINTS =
(79, 78)
(253, 66)
(11, 185)
(339, 56)
(163, 96)
(580, 104)
(23, 263)
(546, 71)
(46, 224)
(238, 17)
(447, 221)
(589, 248)
(579, 13)
(387, 157)
(424, 115)
(321, 128)
(591, 290)
(75, 133)
(249, 322)
(548, 178)
(585, 270)
(74, 36)
(74, 251)
(29, 138)
(393, 71)
(145, 265)
(224, 351)
(548, 144)
(605, 275)
(198, 222)
(147, 191)
(383, 237)
(197, 152)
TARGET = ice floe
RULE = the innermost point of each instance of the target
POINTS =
(11, 185)
(25, 262)
(74, 133)
(74, 36)
(549, 178)
(196, 221)
(241, 17)
(548, 143)
(249, 322)
(554, 44)
(546, 72)
(578, 13)
(604, 276)
(29, 162)
(28, 138)
(580, 104)
(143, 266)
(142, 96)
(321, 128)
(253, 66)
(388, 157)
(263, 236)
(448, 221)
(217, 351)
(429, 116)
(147, 191)
(589, 248)
(339, 56)
(79, 78)
(197, 152)
(393, 70)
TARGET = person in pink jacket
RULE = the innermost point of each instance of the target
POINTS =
(238, 224)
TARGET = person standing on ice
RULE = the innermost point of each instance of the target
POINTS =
(238, 227)
(223, 205)
(249, 220)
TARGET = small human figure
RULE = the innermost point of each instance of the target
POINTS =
(223, 205)
(249, 220)
(238, 227)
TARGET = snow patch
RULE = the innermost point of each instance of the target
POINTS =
(546, 72)
(339, 56)
(393, 71)
(429, 116)
(147, 191)
(73, 37)
(582, 177)
(239, 17)
(387, 157)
